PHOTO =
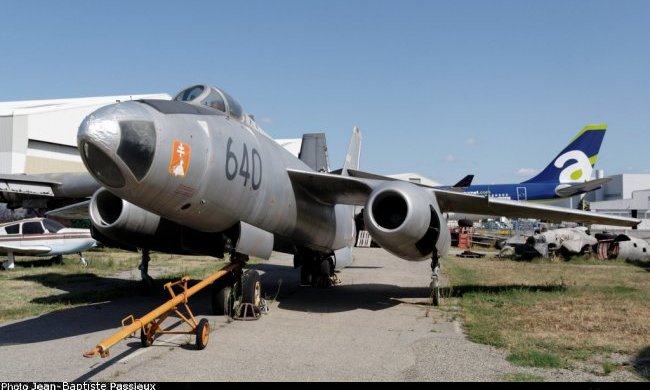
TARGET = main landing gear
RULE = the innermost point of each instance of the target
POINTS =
(435, 279)
(147, 280)
(316, 269)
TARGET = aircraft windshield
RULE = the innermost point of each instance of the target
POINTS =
(211, 97)
(189, 94)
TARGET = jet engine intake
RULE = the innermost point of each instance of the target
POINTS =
(131, 226)
(406, 221)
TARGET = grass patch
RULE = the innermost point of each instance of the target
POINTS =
(535, 358)
(608, 367)
(38, 285)
(522, 378)
(550, 313)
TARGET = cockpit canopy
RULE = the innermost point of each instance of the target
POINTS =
(212, 97)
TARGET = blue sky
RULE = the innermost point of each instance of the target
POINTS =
(443, 88)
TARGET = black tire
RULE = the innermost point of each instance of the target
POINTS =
(465, 223)
(222, 299)
(202, 334)
(326, 267)
(435, 293)
(251, 289)
(144, 340)
(305, 275)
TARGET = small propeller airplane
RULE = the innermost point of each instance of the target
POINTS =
(42, 237)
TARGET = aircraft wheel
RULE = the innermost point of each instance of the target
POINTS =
(435, 293)
(251, 288)
(305, 275)
(222, 299)
(202, 334)
(144, 340)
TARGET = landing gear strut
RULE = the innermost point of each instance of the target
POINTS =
(82, 260)
(144, 268)
(435, 279)
(9, 264)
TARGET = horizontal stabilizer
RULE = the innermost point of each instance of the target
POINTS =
(73, 211)
(582, 187)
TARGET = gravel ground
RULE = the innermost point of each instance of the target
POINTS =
(375, 326)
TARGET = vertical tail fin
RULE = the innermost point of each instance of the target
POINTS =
(575, 163)
(354, 152)
(464, 182)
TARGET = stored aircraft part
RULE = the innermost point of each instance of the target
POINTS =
(632, 248)
(470, 255)
(150, 323)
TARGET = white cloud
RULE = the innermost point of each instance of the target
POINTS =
(450, 158)
(471, 141)
(266, 119)
(527, 171)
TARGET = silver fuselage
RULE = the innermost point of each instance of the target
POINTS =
(209, 171)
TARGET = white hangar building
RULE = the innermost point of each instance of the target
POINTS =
(38, 136)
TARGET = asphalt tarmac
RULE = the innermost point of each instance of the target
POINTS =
(376, 326)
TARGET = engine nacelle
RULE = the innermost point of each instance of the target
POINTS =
(128, 225)
(406, 221)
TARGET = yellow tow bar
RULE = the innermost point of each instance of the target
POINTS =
(150, 323)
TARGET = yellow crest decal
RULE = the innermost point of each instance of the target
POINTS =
(180, 160)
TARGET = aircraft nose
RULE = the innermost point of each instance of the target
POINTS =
(117, 143)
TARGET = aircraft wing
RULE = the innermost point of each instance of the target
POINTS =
(22, 190)
(333, 189)
(457, 202)
(27, 184)
(25, 250)
(587, 186)
(73, 211)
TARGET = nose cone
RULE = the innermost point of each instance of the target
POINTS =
(117, 143)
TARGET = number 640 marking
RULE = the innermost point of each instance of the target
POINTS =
(252, 171)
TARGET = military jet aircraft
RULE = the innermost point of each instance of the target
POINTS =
(198, 174)
(42, 237)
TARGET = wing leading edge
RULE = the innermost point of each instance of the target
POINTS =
(333, 189)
